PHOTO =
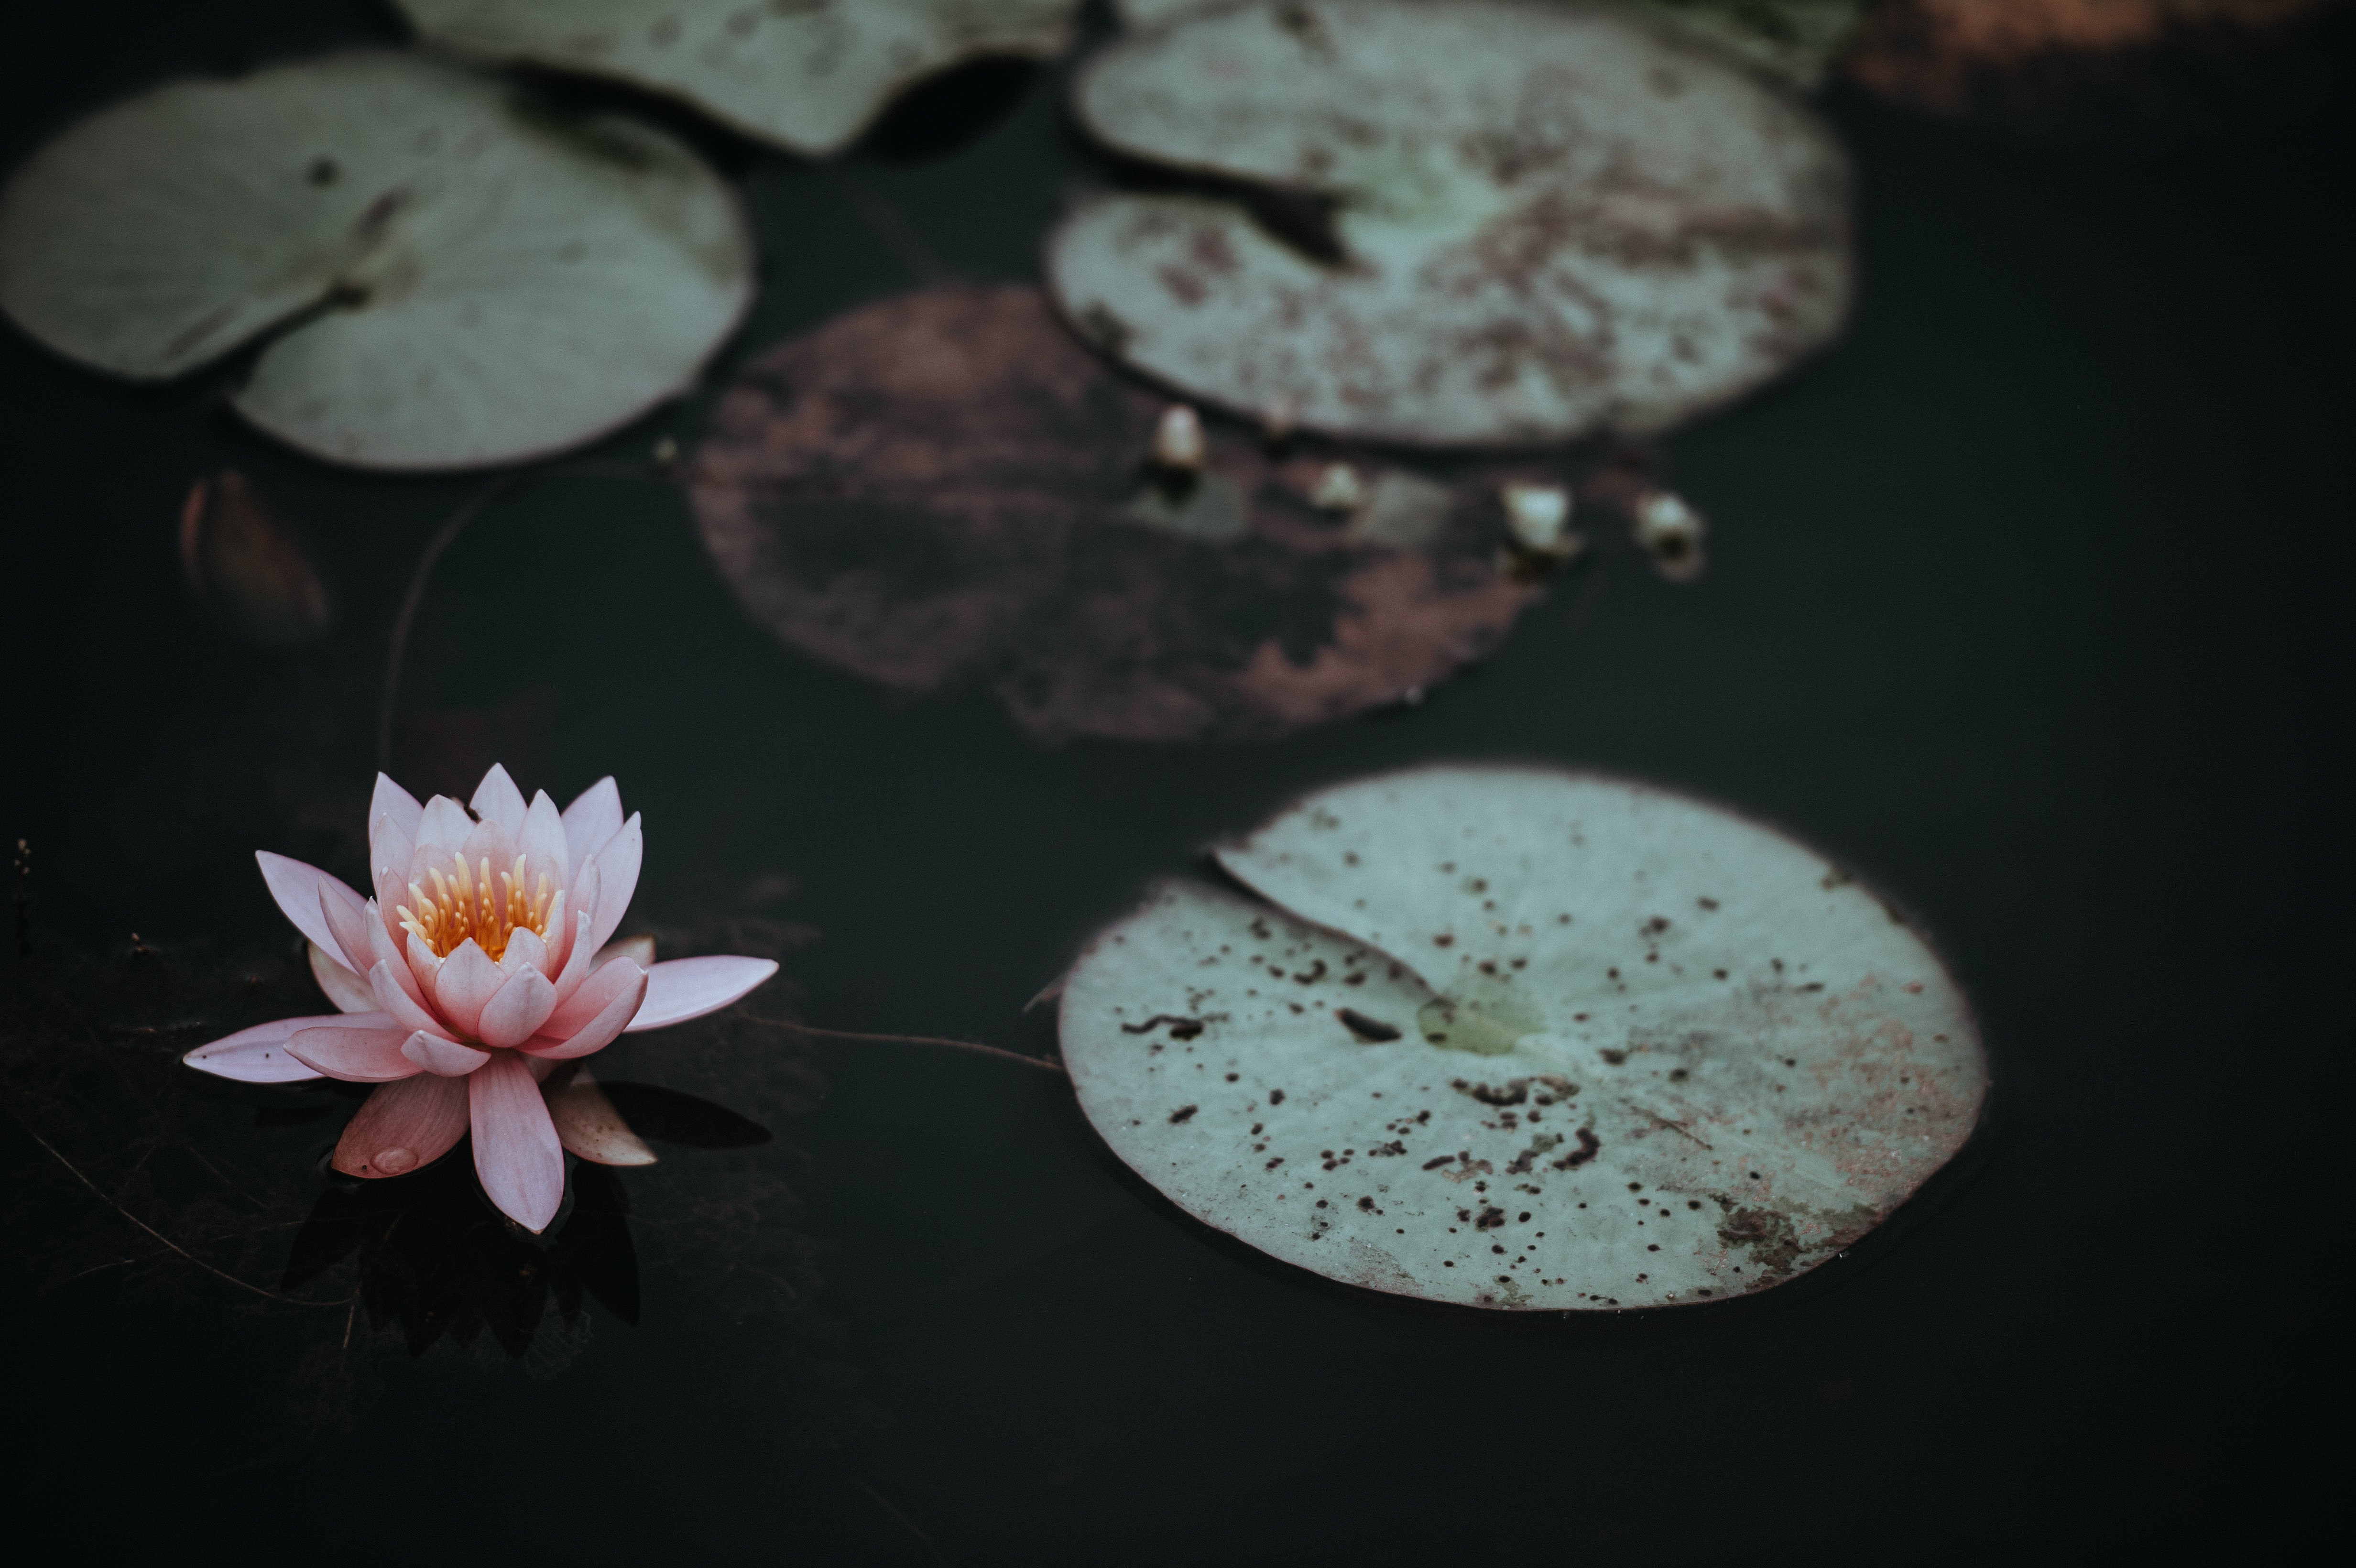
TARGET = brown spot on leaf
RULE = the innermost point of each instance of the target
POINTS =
(1769, 1235)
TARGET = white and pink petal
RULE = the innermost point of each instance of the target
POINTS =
(617, 878)
(497, 799)
(522, 1004)
(463, 985)
(259, 1055)
(404, 1127)
(542, 843)
(398, 1001)
(296, 888)
(592, 996)
(639, 950)
(593, 817)
(353, 1054)
(444, 825)
(445, 1056)
(687, 989)
(517, 1153)
(351, 993)
(525, 950)
(599, 1029)
(392, 800)
(348, 917)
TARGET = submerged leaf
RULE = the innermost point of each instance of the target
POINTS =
(1514, 1038)
(247, 568)
(1507, 224)
(457, 274)
(808, 77)
(946, 488)
(669, 1116)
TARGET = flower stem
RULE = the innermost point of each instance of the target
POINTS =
(167, 1241)
(442, 538)
(1046, 1062)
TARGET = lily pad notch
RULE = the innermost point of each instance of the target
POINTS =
(444, 271)
(1545, 221)
(1520, 1039)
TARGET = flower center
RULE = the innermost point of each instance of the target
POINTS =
(465, 905)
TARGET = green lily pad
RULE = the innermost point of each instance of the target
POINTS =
(1511, 224)
(806, 76)
(1520, 1039)
(455, 275)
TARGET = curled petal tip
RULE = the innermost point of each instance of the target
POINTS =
(259, 1055)
(688, 989)
(445, 1056)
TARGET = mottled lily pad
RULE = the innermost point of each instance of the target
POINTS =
(1794, 40)
(947, 489)
(1509, 224)
(806, 76)
(455, 274)
(1514, 1038)
(1797, 40)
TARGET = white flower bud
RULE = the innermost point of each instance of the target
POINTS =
(1178, 439)
(1339, 489)
(1671, 532)
(1536, 516)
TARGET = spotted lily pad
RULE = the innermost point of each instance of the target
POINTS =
(804, 74)
(947, 489)
(1514, 1038)
(455, 273)
(1510, 224)
(1794, 40)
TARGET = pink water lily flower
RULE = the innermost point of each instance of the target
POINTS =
(475, 973)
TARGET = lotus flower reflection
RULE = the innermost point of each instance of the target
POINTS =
(474, 973)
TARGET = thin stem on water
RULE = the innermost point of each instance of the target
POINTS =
(158, 1235)
(1047, 1063)
(468, 510)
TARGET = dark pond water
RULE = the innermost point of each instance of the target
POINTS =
(2023, 601)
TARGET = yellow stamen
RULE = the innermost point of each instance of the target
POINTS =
(468, 904)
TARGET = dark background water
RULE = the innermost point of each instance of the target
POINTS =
(2028, 602)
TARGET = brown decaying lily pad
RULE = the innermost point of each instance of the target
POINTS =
(947, 488)
(2103, 68)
